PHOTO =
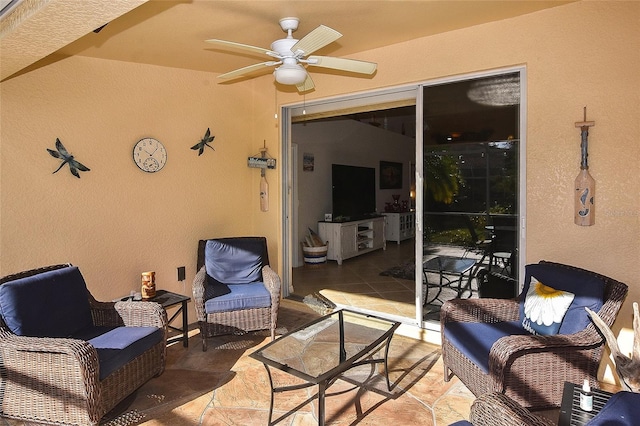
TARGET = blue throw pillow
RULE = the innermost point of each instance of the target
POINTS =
(50, 304)
(234, 260)
(587, 288)
(545, 308)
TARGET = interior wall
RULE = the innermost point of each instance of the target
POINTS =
(347, 142)
(116, 221)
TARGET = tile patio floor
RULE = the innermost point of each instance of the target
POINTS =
(224, 386)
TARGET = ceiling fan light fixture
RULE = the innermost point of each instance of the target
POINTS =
(290, 74)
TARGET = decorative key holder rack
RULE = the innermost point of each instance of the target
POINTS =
(263, 162)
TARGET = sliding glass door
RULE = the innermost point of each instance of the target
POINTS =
(467, 174)
(471, 157)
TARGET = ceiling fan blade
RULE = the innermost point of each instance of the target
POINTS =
(351, 65)
(315, 40)
(306, 85)
(241, 47)
(240, 72)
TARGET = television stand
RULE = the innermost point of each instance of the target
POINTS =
(350, 239)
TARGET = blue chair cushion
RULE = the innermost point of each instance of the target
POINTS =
(461, 423)
(475, 339)
(241, 296)
(122, 344)
(234, 260)
(623, 408)
(49, 304)
(587, 288)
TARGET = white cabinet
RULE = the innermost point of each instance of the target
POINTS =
(400, 226)
(350, 239)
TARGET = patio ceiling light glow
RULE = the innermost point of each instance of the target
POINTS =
(497, 91)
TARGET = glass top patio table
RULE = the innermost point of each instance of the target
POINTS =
(320, 351)
(452, 271)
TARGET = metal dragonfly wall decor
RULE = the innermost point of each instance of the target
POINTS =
(61, 153)
(204, 142)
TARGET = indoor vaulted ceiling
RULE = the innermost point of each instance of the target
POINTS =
(172, 33)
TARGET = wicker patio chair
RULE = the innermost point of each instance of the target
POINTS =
(497, 409)
(54, 380)
(481, 246)
(494, 285)
(530, 369)
(235, 290)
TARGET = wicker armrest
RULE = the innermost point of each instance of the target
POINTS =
(128, 313)
(479, 310)
(198, 294)
(54, 345)
(142, 314)
(271, 281)
(497, 409)
(23, 359)
(509, 347)
(104, 313)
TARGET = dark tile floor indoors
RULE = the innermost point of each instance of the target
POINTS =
(224, 386)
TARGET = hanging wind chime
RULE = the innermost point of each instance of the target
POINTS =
(585, 185)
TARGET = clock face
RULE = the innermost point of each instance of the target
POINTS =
(149, 155)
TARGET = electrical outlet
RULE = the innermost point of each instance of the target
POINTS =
(181, 273)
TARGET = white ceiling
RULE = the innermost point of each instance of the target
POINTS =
(173, 33)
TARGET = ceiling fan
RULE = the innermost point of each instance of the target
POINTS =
(291, 55)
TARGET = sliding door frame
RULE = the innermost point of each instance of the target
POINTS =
(374, 99)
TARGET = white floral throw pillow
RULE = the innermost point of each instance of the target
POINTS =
(544, 308)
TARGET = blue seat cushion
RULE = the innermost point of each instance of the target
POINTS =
(241, 296)
(587, 288)
(623, 408)
(49, 304)
(475, 339)
(234, 260)
(461, 423)
(120, 345)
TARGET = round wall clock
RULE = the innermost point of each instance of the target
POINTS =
(149, 155)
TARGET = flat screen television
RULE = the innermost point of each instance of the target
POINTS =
(354, 192)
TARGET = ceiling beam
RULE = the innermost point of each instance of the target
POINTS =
(33, 29)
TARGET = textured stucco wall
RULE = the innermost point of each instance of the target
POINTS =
(117, 221)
